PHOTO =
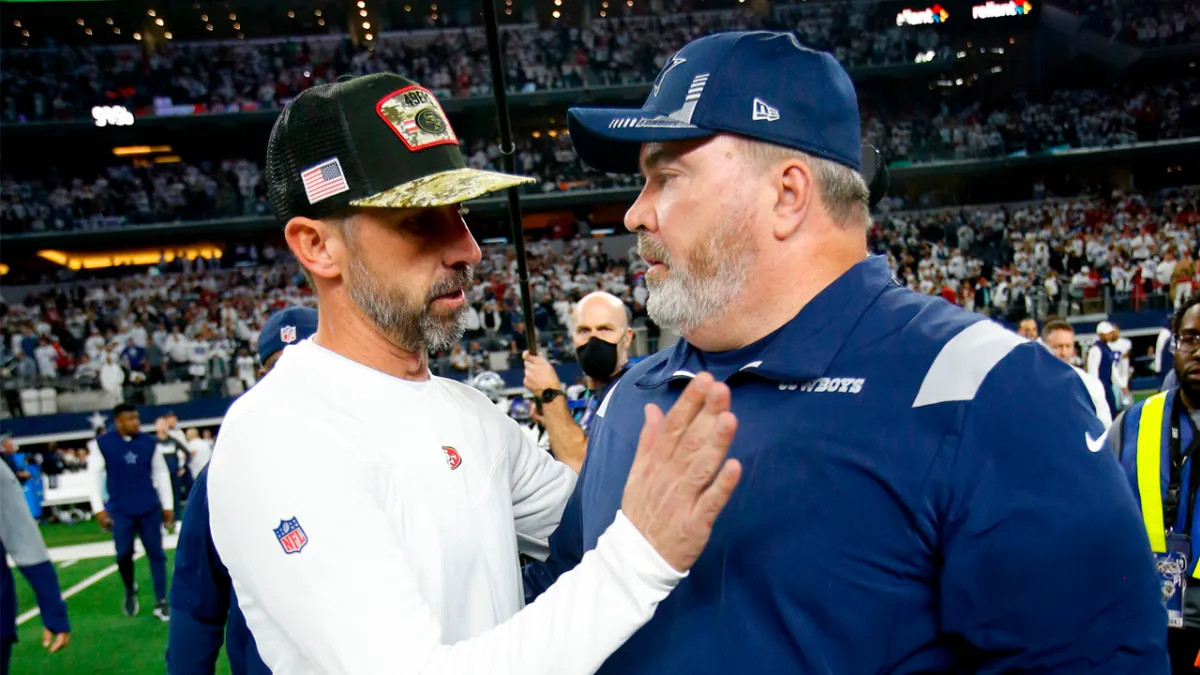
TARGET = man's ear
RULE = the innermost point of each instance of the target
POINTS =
(794, 185)
(317, 244)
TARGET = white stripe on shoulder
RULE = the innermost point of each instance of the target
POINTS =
(964, 362)
(607, 397)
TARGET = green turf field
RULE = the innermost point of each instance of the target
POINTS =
(103, 640)
(87, 532)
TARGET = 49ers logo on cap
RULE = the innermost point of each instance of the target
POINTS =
(416, 117)
(452, 457)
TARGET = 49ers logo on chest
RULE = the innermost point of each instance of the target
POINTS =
(453, 459)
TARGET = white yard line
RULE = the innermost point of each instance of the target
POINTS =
(72, 554)
(77, 588)
(65, 565)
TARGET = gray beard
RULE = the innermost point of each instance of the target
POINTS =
(685, 301)
(411, 326)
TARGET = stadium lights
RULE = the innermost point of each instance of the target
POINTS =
(25, 33)
(232, 16)
(109, 21)
(537, 134)
(208, 26)
(362, 13)
(316, 12)
(997, 69)
(361, 4)
(629, 3)
(433, 7)
(603, 14)
(366, 25)
(924, 57)
(137, 36)
(159, 21)
(237, 26)
(558, 3)
(320, 22)
(369, 37)
(80, 21)
(168, 159)
(77, 261)
(3, 269)
(308, 73)
(556, 14)
(508, 12)
(204, 18)
(17, 23)
(168, 35)
(433, 16)
(116, 31)
(112, 115)
(408, 8)
(291, 14)
(87, 31)
(151, 13)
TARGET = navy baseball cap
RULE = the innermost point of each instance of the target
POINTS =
(285, 327)
(760, 84)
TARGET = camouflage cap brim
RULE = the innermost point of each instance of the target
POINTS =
(443, 189)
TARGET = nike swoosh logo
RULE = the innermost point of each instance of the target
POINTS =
(1095, 445)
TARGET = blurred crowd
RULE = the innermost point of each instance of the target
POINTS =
(65, 83)
(1141, 24)
(197, 321)
(183, 320)
(1053, 256)
(125, 194)
(1079, 118)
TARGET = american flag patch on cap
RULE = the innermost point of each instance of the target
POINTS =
(324, 180)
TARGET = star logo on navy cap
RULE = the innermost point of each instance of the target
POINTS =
(675, 61)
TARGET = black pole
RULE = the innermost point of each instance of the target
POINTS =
(508, 156)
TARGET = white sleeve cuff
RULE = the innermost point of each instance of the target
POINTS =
(634, 553)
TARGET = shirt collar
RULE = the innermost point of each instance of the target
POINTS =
(802, 349)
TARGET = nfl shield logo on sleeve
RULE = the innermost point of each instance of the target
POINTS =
(291, 536)
(287, 334)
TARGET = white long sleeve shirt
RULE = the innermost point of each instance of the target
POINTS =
(414, 499)
(98, 472)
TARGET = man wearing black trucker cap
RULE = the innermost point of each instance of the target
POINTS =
(922, 489)
(371, 515)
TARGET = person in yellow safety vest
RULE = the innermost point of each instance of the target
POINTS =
(1155, 441)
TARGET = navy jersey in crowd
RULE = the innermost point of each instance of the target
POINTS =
(922, 492)
(202, 598)
(127, 464)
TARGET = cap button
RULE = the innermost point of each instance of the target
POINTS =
(345, 78)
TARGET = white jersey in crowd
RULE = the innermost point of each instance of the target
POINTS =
(1095, 390)
(1121, 348)
(372, 524)
(200, 452)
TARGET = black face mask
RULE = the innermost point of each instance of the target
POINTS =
(598, 358)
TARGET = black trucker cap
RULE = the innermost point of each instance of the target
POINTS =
(379, 140)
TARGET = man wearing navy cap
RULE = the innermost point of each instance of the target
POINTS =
(204, 606)
(923, 490)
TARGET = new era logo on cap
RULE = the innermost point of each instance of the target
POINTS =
(763, 111)
(324, 180)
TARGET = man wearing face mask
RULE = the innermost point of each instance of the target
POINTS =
(602, 340)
